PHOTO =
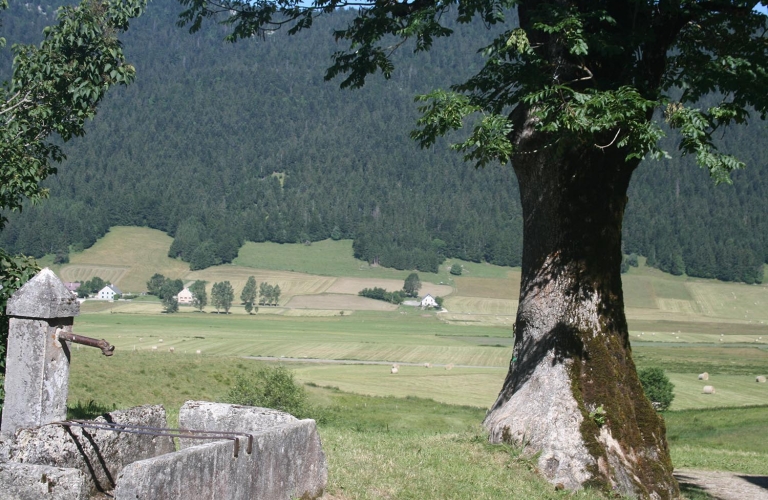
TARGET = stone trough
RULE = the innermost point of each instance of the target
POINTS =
(285, 461)
(53, 461)
(231, 452)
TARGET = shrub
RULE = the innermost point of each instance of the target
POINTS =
(274, 388)
(658, 389)
(456, 269)
(61, 257)
(381, 294)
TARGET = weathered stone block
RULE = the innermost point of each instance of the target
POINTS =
(286, 462)
(207, 416)
(37, 365)
(37, 374)
(43, 297)
(99, 454)
(41, 482)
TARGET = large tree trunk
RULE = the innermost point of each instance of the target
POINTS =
(572, 393)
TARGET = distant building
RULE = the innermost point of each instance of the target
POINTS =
(428, 301)
(108, 292)
(72, 286)
(185, 297)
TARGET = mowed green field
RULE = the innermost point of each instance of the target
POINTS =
(476, 356)
(686, 326)
(474, 332)
(365, 336)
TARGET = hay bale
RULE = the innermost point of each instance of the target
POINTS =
(394, 370)
(449, 366)
(760, 379)
(708, 389)
(154, 347)
(427, 365)
(704, 376)
(198, 351)
(171, 350)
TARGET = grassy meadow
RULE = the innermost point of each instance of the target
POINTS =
(387, 435)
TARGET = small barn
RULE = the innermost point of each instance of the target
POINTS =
(185, 297)
(108, 292)
(428, 301)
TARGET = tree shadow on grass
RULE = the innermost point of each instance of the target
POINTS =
(761, 481)
(89, 410)
(691, 491)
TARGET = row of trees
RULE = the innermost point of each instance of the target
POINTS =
(222, 294)
(269, 295)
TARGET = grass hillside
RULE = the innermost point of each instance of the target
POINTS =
(126, 257)
(325, 258)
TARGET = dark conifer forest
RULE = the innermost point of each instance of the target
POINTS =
(218, 144)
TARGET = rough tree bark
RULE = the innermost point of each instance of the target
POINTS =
(572, 393)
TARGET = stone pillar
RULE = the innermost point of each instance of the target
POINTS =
(37, 364)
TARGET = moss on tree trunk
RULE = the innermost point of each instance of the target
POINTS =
(572, 393)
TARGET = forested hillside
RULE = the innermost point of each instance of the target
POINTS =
(219, 144)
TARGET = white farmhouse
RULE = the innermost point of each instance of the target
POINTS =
(185, 297)
(428, 301)
(108, 293)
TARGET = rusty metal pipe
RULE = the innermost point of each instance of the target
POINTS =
(106, 348)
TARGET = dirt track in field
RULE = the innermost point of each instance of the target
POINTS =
(722, 485)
